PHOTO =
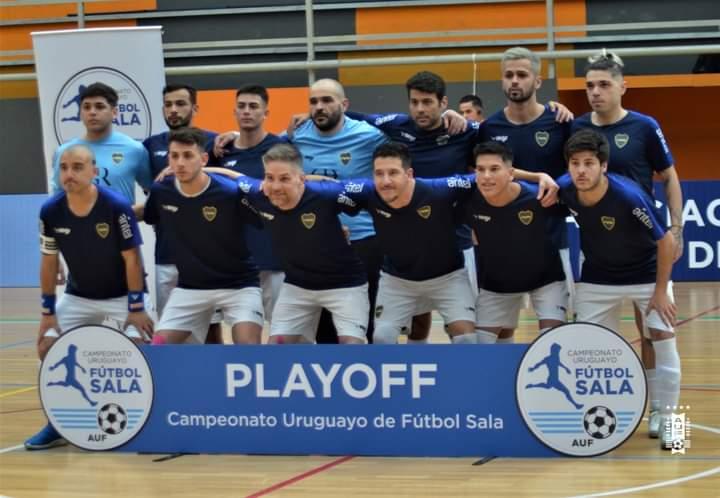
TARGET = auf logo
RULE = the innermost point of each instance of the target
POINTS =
(553, 364)
(70, 363)
(74, 100)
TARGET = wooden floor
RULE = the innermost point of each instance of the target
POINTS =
(639, 467)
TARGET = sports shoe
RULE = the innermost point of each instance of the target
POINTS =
(47, 438)
(654, 424)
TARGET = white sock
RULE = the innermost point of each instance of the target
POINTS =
(506, 340)
(651, 374)
(485, 337)
(667, 366)
(465, 339)
(417, 341)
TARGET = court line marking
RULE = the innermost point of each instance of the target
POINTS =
(11, 448)
(17, 391)
(300, 477)
(14, 344)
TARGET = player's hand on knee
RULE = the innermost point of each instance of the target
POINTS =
(141, 321)
(667, 310)
(221, 142)
(547, 190)
(562, 113)
(454, 122)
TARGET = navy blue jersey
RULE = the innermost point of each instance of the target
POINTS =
(514, 252)
(537, 146)
(157, 147)
(249, 163)
(418, 240)
(434, 153)
(618, 235)
(637, 147)
(92, 245)
(210, 250)
(309, 239)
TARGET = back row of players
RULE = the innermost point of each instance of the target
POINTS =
(412, 223)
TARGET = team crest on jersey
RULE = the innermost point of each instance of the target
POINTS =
(345, 158)
(424, 211)
(621, 140)
(608, 222)
(542, 138)
(209, 212)
(117, 157)
(102, 229)
(308, 220)
(442, 140)
(526, 217)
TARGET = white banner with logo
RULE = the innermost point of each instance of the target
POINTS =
(128, 59)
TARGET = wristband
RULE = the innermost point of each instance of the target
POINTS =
(135, 302)
(47, 302)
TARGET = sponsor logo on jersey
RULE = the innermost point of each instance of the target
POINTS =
(345, 158)
(526, 217)
(378, 310)
(424, 211)
(170, 207)
(96, 387)
(344, 199)
(230, 164)
(581, 389)
(267, 216)
(384, 119)
(160, 153)
(621, 140)
(407, 136)
(209, 212)
(573, 212)
(133, 116)
(608, 222)
(103, 230)
(383, 213)
(308, 220)
(500, 138)
(542, 138)
(442, 140)
(641, 215)
(125, 228)
(353, 187)
(244, 186)
(482, 217)
(62, 230)
(457, 181)
(660, 135)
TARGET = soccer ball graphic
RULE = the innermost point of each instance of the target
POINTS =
(112, 419)
(600, 422)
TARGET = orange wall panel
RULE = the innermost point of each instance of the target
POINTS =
(64, 9)
(217, 108)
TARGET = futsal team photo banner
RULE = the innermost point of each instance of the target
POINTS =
(578, 390)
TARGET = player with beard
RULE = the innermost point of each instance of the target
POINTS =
(179, 109)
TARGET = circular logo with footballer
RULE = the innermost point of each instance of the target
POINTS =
(581, 389)
(96, 387)
(133, 117)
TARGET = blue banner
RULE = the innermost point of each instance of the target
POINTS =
(442, 400)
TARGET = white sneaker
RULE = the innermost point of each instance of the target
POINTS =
(654, 424)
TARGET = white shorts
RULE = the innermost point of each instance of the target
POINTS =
(425, 306)
(503, 309)
(600, 304)
(191, 310)
(73, 311)
(270, 283)
(397, 298)
(166, 279)
(297, 311)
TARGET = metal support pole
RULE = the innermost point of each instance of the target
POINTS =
(550, 25)
(310, 34)
(81, 15)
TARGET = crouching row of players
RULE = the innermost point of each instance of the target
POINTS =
(628, 252)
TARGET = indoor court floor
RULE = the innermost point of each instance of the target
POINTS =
(638, 468)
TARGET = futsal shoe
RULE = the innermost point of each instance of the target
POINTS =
(654, 424)
(47, 438)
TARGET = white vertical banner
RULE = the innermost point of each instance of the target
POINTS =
(128, 59)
